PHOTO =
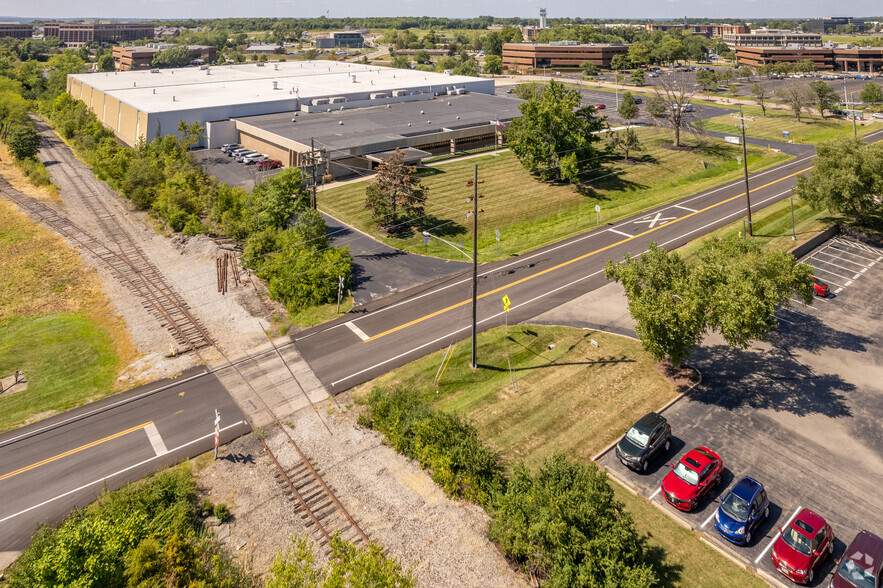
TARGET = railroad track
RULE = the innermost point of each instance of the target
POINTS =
(323, 513)
(127, 259)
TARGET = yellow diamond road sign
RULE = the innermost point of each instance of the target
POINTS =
(506, 303)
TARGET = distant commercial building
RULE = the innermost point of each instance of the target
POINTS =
(137, 58)
(848, 59)
(78, 33)
(708, 31)
(524, 56)
(341, 39)
(16, 30)
(263, 49)
(144, 105)
(771, 38)
(823, 25)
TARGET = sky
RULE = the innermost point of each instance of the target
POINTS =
(633, 9)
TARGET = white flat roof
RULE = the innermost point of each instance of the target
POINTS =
(226, 85)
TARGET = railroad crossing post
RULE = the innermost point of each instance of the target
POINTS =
(217, 431)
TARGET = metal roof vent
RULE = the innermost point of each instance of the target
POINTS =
(294, 120)
(340, 122)
(275, 85)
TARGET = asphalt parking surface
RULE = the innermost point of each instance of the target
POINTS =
(800, 413)
(230, 171)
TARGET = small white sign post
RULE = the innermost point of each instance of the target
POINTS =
(597, 214)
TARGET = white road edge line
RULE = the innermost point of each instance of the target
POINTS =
(708, 520)
(159, 448)
(658, 490)
(776, 536)
(122, 471)
(359, 332)
(103, 408)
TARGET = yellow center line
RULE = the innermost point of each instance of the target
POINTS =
(575, 259)
(72, 451)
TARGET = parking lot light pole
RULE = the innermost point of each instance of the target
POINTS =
(741, 126)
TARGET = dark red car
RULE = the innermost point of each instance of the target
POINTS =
(862, 563)
(692, 478)
(268, 164)
(802, 546)
(820, 287)
(601, 106)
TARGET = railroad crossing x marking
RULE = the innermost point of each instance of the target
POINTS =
(651, 222)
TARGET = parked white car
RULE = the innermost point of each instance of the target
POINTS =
(253, 159)
(877, 115)
(238, 152)
(241, 157)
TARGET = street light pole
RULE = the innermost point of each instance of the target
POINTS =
(474, 266)
(741, 126)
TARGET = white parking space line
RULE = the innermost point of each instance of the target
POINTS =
(658, 490)
(791, 310)
(708, 520)
(838, 290)
(155, 440)
(776, 536)
(620, 233)
(806, 306)
(842, 260)
(778, 318)
(359, 332)
(852, 253)
(827, 270)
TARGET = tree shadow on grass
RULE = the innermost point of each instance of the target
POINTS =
(767, 379)
(668, 573)
(439, 227)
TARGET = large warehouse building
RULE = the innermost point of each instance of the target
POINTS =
(142, 105)
(532, 56)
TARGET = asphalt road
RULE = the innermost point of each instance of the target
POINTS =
(408, 325)
(800, 413)
(64, 462)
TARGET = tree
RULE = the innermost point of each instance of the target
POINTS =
(588, 68)
(745, 72)
(310, 54)
(563, 523)
(59, 66)
(23, 141)
(760, 95)
(639, 54)
(732, 287)
(396, 197)
(628, 110)
(177, 56)
(626, 141)
(795, 96)
(554, 135)
(493, 64)
(274, 200)
(872, 93)
(706, 79)
(106, 63)
(421, 56)
(620, 62)
(638, 77)
(401, 62)
(825, 97)
(530, 90)
(656, 105)
(847, 178)
(676, 94)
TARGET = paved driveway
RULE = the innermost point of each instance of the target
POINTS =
(801, 413)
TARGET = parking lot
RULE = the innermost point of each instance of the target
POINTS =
(228, 170)
(800, 413)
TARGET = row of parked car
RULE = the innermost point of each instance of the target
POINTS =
(805, 542)
(250, 156)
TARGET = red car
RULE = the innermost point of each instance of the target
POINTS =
(268, 164)
(862, 563)
(820, 287)
(691, 479)
(802, 546)
(601, 106)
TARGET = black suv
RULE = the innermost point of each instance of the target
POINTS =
(643, 441)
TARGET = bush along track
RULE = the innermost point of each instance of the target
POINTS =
(561, 525)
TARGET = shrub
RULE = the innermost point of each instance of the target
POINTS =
(443, 443)
(206, 506)
(222, 512)
(35, 171)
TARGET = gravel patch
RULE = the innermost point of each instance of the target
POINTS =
(394, 501)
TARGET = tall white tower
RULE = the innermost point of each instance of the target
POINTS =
(542, 18)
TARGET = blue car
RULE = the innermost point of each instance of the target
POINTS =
(741, 511)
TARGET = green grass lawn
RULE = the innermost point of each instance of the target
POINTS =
(67, 360)
(574, 398)
(811, 129)
(55, 325)
(530, 214)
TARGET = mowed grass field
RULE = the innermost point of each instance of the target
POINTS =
(529, 213)
(55, 325)
(574, 398)
(811, 129)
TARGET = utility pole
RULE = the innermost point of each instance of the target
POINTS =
(313, 162)
(741, 126)
(474, 266)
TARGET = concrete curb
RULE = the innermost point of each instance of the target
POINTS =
(665, 407)
(771, 579)
(738, 561)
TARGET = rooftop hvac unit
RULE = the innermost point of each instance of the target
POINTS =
(261, 64)
(337, 100)
(378, 95)
(319, 101)
(154, 71)
(398, 93)
(275, 85)
(203, 67)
